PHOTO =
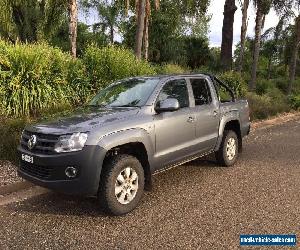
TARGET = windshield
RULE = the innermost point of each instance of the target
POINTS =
(128, 93)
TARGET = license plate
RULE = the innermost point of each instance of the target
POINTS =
(27, 158)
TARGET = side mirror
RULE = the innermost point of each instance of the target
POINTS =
(168, 105)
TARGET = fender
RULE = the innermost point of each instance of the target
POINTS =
(227, 117)
(122, 137)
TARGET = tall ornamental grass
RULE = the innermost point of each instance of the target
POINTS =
(38, 77)
(33, 77)
(107, 64)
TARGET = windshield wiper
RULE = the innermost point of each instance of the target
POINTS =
(97, 105)
(125, 106)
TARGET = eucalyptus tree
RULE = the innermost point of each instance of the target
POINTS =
(73, 19)
(143, 9)
(244, 5)
(227, 34)
(272, 42)
(291, 8)
(140, 18)
(294, 54)
(262, 9)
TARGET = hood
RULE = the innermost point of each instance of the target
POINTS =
(82, 120)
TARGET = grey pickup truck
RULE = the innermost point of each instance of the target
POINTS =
(135, 127)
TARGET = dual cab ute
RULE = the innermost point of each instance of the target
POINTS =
(133, 128)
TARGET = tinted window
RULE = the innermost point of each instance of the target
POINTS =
(175, 89)
(201, 91)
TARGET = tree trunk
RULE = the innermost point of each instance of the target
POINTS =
(243, 34)
(269, 67)
(146, 29)
(227, 34)
(73, 15)
(258, 28)
(146, 38)
(140, 29)
(112, 34)
(293, 62)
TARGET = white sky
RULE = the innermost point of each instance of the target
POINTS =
(216, 8)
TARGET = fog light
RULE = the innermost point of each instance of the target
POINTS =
(71, 172)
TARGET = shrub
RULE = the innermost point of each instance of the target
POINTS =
(38, 77)
(263, 86)
(282, 84)
(171, 69)
(281, 71)
(107, 64)
(33, 77)
(296, 86)
(295, 102)
(235, 81)
(10, 132)
(267, 105)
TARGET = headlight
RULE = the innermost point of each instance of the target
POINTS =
(71, 143)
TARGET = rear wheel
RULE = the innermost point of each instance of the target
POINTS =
(228, 152)
(121, 185)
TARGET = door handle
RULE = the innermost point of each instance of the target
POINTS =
(191, 119)
(215, 113)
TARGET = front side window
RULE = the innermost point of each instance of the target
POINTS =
(127, 93)
(175, 89)
(201, 91)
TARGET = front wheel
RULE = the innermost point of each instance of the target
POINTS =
(229, 149)
(121, 184)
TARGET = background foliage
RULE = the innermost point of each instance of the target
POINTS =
(39, 77)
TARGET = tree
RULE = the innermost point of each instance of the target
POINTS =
(262, 9)
(73, 16)
(31, 20)
(294, 56)
(168, 29)
(109, 12)
(141, 4)
(227, 34)
(244, 27)
(146, 26)
(272, 40)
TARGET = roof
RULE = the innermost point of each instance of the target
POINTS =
(172, 75)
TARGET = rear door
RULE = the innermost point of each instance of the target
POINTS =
(206, 112)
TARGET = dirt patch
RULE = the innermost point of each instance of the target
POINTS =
(8, 173)
(282, 118)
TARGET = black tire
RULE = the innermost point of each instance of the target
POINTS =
(221, 155)
(111, 170)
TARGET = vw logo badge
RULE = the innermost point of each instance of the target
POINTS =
(31, 142)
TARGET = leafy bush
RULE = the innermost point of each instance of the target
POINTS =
(295, 102)
(263, 86)
(33, 77)
(10, 132)
(281, 71)
(267, 105)
(235, 81)
(107, 64)
(38, 77)
(171, 69)
(282, 84)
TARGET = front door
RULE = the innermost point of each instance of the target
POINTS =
(175, 131)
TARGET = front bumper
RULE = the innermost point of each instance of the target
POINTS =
(49, 170)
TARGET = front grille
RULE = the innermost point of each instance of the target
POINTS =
(37, 171)
(45, 142)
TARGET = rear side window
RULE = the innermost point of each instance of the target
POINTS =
(175, 89)
(201, 91)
